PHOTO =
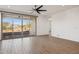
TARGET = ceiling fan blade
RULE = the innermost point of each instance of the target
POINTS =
(42, 10)
(38, 12)
(29, 11)
(32, 12)
(39, 7)
(35, 6)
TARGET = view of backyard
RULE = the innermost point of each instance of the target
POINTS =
(15, 25)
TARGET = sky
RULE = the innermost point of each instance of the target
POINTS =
(16, 21)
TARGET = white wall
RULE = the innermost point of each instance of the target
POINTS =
(42, 25)
(0, 26)
(65, 24)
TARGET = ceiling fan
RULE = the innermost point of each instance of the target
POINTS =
(38, 9)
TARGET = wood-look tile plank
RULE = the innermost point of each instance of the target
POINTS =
(38, 45)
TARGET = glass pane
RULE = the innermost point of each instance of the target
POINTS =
(26, 25)
(32, 27)
(17, 25)
(7, 25)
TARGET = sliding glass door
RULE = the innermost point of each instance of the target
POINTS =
(26, 27)
(7, 27)
(15, 26)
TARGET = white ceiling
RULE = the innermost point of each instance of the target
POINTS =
(25, 9)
